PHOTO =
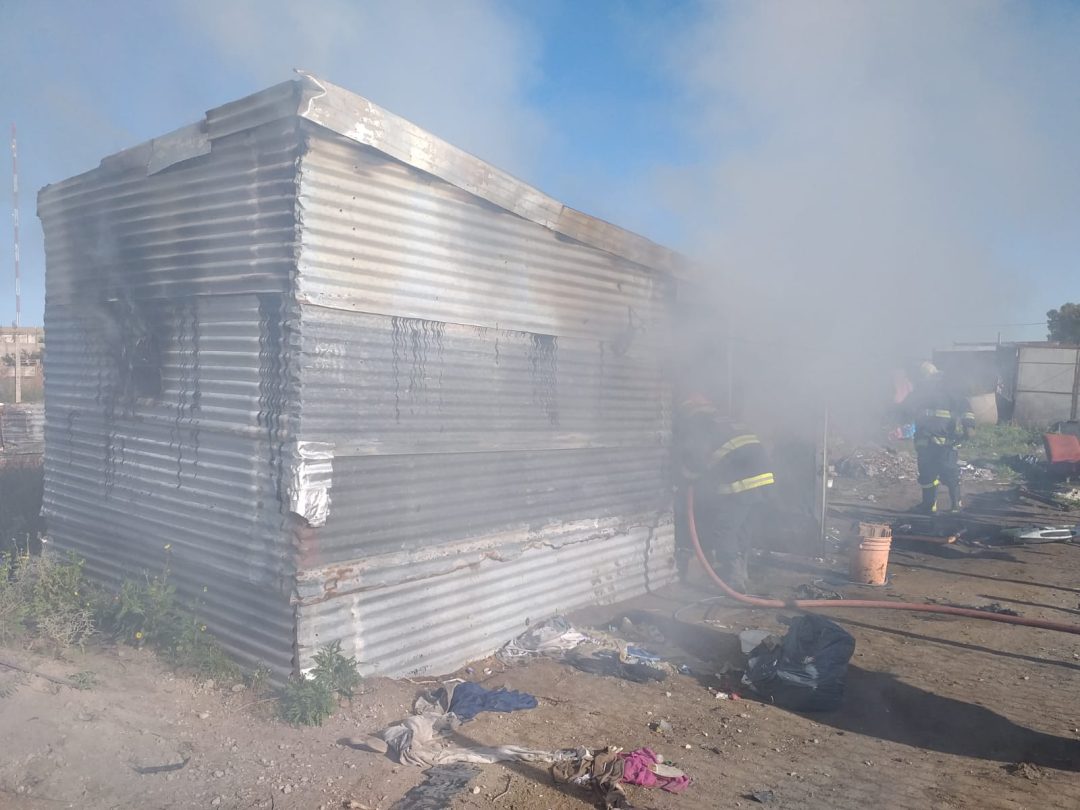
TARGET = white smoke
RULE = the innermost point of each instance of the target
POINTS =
(879, 177)
(461, 70)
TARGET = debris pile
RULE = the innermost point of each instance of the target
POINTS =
(877, 462)
(597, 652)
(978, 473)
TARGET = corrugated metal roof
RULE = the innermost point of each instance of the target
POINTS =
(364, 122)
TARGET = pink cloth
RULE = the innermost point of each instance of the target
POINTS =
(638, 770)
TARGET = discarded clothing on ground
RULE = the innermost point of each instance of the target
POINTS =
(609, 663)
(643, 767)
(600, 771)
(420, 739)
(467, 700)
(470, 699)
(416, 741)
(607, 770)
(807, 670)
(553, 637)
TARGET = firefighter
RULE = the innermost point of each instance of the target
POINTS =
(729, 470)
(942, 420)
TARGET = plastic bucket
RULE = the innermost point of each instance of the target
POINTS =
(875, 530)
(869, 561)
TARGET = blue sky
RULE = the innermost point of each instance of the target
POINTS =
(850, 159)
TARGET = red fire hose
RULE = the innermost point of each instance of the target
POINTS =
(808, 604)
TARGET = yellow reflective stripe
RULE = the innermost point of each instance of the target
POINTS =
(969, 415)
(753, 482)
(733, 444)
(930, 486)
(938, 413)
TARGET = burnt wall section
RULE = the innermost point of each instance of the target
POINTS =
(168, 404)
(479, 382)
(441, 431)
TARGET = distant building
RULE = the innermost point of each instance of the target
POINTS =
(1037, 383)
(30, 341)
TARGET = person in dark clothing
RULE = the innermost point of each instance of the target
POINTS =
(942, 420)
(729, 470)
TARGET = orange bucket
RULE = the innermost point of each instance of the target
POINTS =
(869, 561)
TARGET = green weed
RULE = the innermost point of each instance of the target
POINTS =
(306, 702)
(337, 671)
(148, 612)
(258, 679)
(309, 701)
(991, 442)
(45, 596)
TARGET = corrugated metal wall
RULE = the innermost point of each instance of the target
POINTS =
(428, 614)
(1047, 385)
(479, 379)
(167, 372)
(231, 338)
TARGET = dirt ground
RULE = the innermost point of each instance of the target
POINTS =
(939, 713)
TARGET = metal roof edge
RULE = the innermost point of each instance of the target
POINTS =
(354, 117)
(193, 140)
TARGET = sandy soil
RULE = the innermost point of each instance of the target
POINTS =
(938, 713)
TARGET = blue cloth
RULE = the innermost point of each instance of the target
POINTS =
(470, 699)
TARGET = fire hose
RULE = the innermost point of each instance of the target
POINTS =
(810, 604)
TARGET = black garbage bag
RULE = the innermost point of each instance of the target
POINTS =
(806, 671)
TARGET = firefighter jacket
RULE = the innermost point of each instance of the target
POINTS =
(719, 456)
(940, 418)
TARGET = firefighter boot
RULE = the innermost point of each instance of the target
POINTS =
(929, 499)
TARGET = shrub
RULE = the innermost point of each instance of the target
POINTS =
(48, 595)
(309, 701)
(337, 671)
(306, 702)
(148, 612)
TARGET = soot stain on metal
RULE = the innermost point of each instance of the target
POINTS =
(181, 394)
(187, 395)
(544, 365)
(412, 340)
(135, 334)
(271, 381)
(397, 347)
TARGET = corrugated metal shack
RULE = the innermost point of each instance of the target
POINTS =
(351, 383)
(22, 431)
(1047, 383)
